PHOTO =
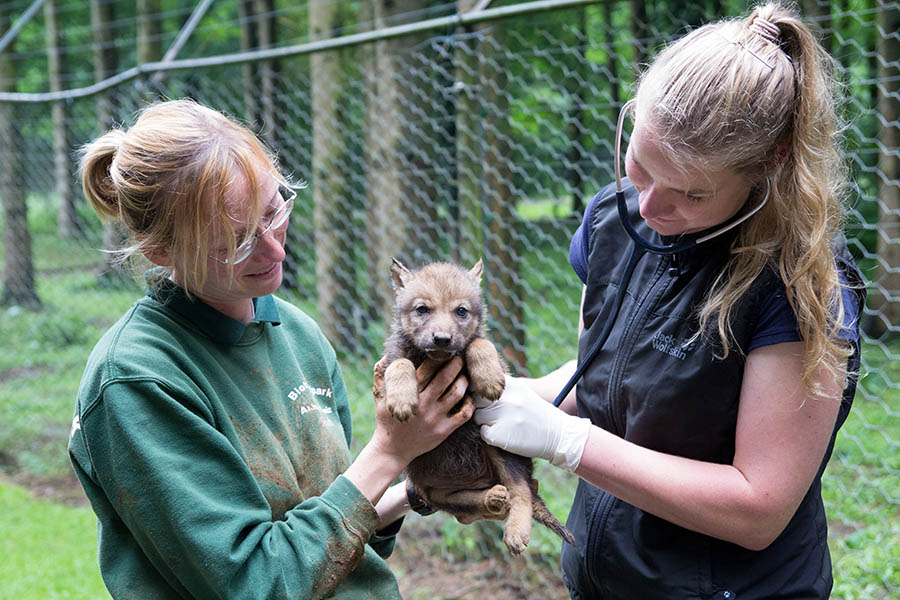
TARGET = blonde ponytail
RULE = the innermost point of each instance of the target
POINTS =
(757, 96)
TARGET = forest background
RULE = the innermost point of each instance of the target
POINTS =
(426, 130)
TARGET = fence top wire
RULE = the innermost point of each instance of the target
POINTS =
(472, 17)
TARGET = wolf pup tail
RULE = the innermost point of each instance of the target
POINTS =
(542, 515)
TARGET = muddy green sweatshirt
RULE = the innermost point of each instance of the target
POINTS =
(212, 451)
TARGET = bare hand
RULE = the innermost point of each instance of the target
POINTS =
(441, 387)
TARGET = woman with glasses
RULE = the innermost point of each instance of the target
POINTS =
(212, 424)
(701, 428)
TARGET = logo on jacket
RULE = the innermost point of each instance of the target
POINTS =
(669, 344)
(305, 387)
(300, 394)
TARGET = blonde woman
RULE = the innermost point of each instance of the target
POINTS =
(212, 424)
(701, 430)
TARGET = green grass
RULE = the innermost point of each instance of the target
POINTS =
(42, 355)
(49, 550)
(861, 488)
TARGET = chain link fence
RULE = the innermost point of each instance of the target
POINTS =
(457, 141)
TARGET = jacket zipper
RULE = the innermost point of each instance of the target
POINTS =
(636, 319)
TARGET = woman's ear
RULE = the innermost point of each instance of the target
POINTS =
(158, 256)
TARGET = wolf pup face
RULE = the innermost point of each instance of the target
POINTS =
(439, 307)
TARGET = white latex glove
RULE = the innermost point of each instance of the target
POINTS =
(523, 423)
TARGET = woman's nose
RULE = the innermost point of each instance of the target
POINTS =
(651, 202)
(270, 247)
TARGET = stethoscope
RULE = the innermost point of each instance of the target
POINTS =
(639, 248)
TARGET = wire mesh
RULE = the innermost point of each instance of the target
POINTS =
(459, 143)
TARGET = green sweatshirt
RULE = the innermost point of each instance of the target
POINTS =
(212, 452)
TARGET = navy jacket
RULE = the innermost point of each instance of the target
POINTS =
(653, 386)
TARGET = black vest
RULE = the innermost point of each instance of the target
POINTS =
(654, 385)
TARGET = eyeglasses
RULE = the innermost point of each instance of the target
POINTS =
(277, 222)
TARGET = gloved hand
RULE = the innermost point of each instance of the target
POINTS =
(524, 423)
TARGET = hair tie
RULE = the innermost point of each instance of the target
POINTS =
(767, 29)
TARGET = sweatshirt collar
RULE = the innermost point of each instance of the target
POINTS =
(201, 316)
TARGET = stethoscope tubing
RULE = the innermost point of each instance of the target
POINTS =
(637, 252)
(640, 246)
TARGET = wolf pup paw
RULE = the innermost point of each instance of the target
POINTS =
(496, 501)
(486, 375)
(515, 540)
(401, 392)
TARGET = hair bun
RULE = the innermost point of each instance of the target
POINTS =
(96, 173)
(766, 28)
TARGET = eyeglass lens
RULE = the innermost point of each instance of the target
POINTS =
(277, 221)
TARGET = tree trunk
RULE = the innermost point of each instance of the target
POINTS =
(18, 275)
(390, 195)
(469, 148)
(819, 13)
(105, 59)
(268, 72)
(612, 60)
(575, 125)
(149, 42)
(638, 31)
(887, 303)
(618, 70)
(247, 16)
(191, 80)
(335, 269)
(486, 206)
(67, 219)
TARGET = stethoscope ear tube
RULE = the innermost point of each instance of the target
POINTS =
(640, 246)
(637, 252)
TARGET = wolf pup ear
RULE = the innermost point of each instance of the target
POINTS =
(476, 271)
(399, 274)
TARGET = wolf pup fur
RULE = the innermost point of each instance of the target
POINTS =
(439, 314)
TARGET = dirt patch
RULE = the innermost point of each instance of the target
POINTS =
(63, 489)
(426, 571)
(23, 372)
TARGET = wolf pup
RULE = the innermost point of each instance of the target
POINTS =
(439, 314)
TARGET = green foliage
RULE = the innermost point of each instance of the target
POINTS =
(861, 485)
(49, 550)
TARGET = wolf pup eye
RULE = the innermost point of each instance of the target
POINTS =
(422, 309)
(462, 311)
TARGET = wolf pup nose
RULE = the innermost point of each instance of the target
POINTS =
(442, 340)
(439, 313)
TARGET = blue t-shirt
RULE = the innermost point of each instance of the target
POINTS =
(775, 323)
